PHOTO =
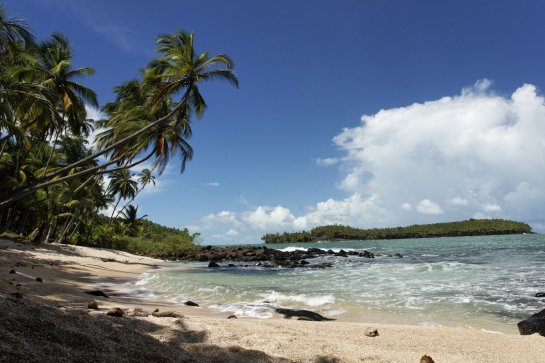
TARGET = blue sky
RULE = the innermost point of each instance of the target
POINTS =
(289, 150)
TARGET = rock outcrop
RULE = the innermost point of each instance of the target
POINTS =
(534, 324)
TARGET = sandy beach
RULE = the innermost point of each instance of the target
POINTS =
(50, 321)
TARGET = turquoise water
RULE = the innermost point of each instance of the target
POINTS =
(483, 282)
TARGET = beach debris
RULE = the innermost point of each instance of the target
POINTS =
(118, 312)
(304, 314)
(371, 332)
(232, 317)
(96, 293)
(213, 264)
(426, 359)
(92, 305)
(533, 324)
(39, 279)
(540, 294)
(190, 303)
(12, 271)
(139, 312)
(167, 314)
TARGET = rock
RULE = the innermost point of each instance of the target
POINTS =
(116, 312)
(398, 255)
(213, 264)
(540, 294)
(191, 303)
(92, 305)
(366, 254)
(167, 314)
(371, 332)
(303, 262)
(17, 295)
(139, 312)
(330, 252)
(534, 324)
(426, 359)
(316, 251)
(96, 293)
(156, 310)
(231, 265)
(39, 279)
(12, 271)
(305, 314)
(232, 317)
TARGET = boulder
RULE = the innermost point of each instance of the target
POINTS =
(534, 324)
(118, 312)
(426, 359)
(92, 305)
(190, 303)
(213, 264)
(540, 294)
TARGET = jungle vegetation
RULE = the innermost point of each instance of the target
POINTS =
(54, 182)
(471, 227)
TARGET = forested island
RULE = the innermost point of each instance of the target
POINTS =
(470, 227)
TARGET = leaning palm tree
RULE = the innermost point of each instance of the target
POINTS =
(122, 185)
(171, 82)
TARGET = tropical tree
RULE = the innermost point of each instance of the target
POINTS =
(130, 140)
(144, 178)
(122, 185)
(12, 33)
(131, 219)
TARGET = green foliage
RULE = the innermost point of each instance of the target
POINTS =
(471, 227)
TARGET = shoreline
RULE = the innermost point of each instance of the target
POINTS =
(69, 270)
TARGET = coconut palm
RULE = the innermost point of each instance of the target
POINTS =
(12, 32)
(131, 219)
(122, 185)
(176, 74)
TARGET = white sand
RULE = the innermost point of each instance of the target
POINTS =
(208, 336)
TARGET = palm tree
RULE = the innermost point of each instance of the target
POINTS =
(121, 184)
(145, 178)
(178, 71)
(130, 215)
(12, 32)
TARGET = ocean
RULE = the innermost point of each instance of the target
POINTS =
(484, 282)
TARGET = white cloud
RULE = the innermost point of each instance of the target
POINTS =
(458, 201)
(470, 155)
(212, 184)
(426, 206)
(327, 161)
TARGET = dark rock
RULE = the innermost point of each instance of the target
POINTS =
(190, 303)
(12, 271)
(118, 312)
(305, 314)
(352, 253)
(398, 255)
(17, 285)
(366, 254)
(92, 305)
(167, 314)
(39, 279)
(533, 324)
(231, 265)
(540, 294)
(317, 251)
(17, 295)
(156, 310)
(96, 293)
(330, 252)
(303, 262)
(213, 264)
(139, 312)
(342, 253)
(426, 359)
(371, 332)
(232, 317)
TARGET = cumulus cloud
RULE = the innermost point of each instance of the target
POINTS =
(426, 206)
(475, 154)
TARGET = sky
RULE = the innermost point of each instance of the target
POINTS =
(361, 112)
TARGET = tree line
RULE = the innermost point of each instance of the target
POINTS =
(471, 227)
(53, 182)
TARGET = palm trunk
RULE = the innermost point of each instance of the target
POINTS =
(115, 207)
(66, 226)
(52, 226)
(129, 202)
(91, 226)
(23, 193)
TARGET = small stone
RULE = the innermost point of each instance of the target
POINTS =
(426, 359)
(116, 312)
(371, 332)
(191, 303)
(12, 271)
(232, 317)
(92, 305)
(17, 294)
(156, 310)
(540, 294)
(39, 279)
